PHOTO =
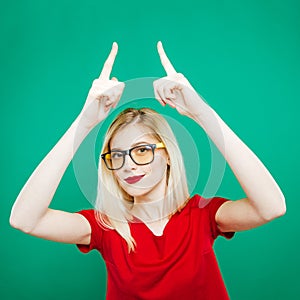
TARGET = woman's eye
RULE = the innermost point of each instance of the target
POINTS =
(116, 155)
(144, 149)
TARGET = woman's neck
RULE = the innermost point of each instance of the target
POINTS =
(151, 206)
(149, 212)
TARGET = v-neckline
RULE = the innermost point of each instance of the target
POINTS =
(174, 216)
(152, 233)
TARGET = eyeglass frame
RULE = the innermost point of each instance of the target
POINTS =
(159, 145)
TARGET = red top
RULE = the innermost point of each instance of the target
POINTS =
(180, 264)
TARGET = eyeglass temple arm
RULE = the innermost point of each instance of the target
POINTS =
(160, 145)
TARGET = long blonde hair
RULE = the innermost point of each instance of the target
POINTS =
(112, 207)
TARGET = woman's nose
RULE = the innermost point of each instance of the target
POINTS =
(129, 163)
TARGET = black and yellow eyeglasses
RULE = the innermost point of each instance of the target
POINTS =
(140, 155)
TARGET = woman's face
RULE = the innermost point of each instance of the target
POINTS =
(152, 185)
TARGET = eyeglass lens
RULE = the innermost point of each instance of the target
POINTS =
(140, 155)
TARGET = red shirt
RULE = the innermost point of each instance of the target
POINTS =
(180, 264)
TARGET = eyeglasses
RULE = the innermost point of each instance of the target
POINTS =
(141, 155)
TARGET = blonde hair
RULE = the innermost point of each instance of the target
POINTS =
(112, 207)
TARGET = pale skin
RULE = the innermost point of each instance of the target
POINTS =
(147, 193)
(31, 213)
(264, 201)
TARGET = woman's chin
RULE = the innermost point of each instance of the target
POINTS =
(136, 191)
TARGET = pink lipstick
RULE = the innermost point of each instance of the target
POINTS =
(133, 179)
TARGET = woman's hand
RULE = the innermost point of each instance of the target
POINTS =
(103, 95)
(175, 90)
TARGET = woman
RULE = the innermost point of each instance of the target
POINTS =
(155, 238)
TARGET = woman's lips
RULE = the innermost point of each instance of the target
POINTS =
(133, 179)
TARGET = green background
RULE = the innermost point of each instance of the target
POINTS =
(241, 56)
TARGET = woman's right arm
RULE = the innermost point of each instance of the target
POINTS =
(30, 212)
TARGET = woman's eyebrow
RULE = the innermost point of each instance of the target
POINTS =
(133, 145)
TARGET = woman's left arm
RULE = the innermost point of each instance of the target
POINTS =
(265, 200)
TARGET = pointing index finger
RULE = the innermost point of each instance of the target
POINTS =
(165, 60)
(108, 65)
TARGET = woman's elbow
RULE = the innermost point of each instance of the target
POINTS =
(279, 212)
(282, 211)
(13, 222)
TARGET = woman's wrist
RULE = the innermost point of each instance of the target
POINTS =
(83, 124)
(80, 128)
(204, 115)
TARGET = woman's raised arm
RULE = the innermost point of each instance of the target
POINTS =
(30, 212)
(265, 200)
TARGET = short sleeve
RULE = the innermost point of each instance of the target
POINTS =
(213, 205)
(96, 232)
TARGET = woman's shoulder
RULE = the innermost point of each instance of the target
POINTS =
(96, 217)
(199, 201)
(196, 200)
